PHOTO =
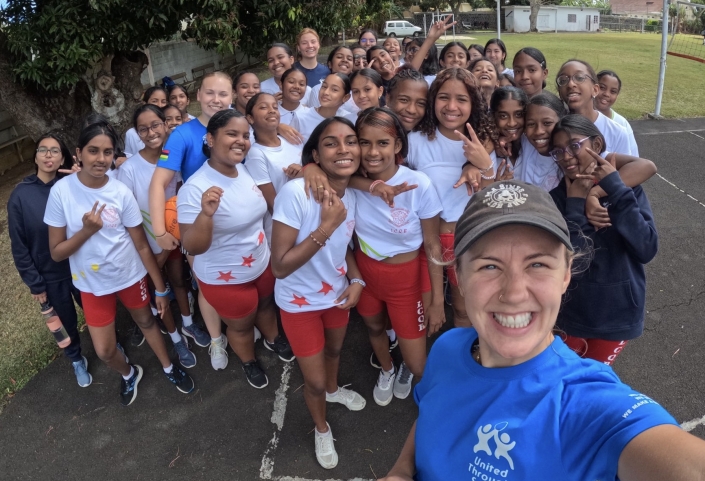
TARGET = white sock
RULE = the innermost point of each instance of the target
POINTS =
(155, 312)
(333, 394)
(392, 335)
(168, 370)
(132, 373)
(389, 373)
(175, 336)
(188, 320)
(216, 340)
(323, 434)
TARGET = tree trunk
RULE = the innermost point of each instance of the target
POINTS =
(534, 5)
(112, 88)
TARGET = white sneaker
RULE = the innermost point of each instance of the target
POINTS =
(219, 357)
(383, 391)
(325, 449)
(258, 335)
(402, 384)
(349, 398)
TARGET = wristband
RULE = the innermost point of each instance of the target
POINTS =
(358, 281)
(482, 171)
(163, 294)
(160, 235)
(374, 184)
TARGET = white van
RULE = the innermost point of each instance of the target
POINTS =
(400, 28)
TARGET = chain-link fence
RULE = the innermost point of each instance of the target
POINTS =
(617, 23)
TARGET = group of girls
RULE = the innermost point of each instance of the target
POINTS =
(317, 189)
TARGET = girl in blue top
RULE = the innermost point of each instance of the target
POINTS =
(506, 399)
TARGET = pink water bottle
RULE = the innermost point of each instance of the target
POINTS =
(55, 326)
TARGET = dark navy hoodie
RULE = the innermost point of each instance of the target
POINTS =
(608, 300)
(29, 235)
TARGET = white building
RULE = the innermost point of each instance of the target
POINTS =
(553, 19)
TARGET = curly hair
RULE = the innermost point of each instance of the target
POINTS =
(479, 119)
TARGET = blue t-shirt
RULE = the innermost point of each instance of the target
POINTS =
(555, 416)
(183, 151)
(314, 76)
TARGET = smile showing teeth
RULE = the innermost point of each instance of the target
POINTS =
(343, 161)
(541, 141)
(516, 321)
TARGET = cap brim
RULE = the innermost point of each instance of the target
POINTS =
(508, 219)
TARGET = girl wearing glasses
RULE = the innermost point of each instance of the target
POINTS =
(359, 57)
(47, 280)
(368, 39)
(577, 86)
(154, 96)
(616, 276)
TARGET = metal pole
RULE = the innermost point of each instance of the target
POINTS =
(662, 69)
(499, 12)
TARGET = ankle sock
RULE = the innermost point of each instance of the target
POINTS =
(155, 312)
(392, 335)
(175, 336)
(167, 370)
(187, 320)
(132, 373)
(216, 340)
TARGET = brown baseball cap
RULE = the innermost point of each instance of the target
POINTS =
(509, 202)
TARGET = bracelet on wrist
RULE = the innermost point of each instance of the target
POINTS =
(374, 184)
(358, 281)
(155, 235)
(320, 229)
(320, 244)
(166, 292)
(482, 171)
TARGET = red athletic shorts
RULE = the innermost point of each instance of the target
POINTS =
(597, 349)
(448, 254)
(235, 301)
(398, 286)
(100, 311)
(306, 330)
(423, 271)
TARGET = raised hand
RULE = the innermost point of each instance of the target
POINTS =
(210, 200)
(505, 171)
(474, 150)
(580, 187)
(471, 177)
(92, 221)
(333, 211)
(388, 192)
(602, 169)
(316, 181)
(440, 27)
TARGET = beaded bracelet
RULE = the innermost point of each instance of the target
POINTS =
(320, 229)
(163, 294)
(374, 184)
(320, 244)
(358, 281)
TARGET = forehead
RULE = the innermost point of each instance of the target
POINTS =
(413, 88)
(514, 239)
(236, 123)
(248, 78)
(609, 80)
(573, 67)
(333, 79)
(540, 111)
(343, 52)
(523, 59)
(337, 129)
(486, 64)
(266, 99)
(368, 35)
(147, 117)
(276, 51)
(102, 141)
(308, 37)
(456, 49)
(216, 83)
(49, 142)
(296, 74)
(510, 104)
(372, 132)
(455, 86)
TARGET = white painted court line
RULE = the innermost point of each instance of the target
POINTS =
(698, 136)
(679, 189)
(690, 425)
(673, 132)
(267, 466)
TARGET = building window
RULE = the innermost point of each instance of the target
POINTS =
(572, 18)
(595, 19)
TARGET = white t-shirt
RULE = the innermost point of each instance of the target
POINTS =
(536, 169)
(108, 261)
(614, 134)
(508, 71)
(136, 173)
(442, 161)
(267, 164)
(239, 252)
(270, 86)
(318, 283)
(619, 120)
(287, 116)
(313, 101)
(385, 232)
(133, 143)
(429, 79)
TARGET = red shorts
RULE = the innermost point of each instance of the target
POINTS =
(397, 286)
(306, 330)
(423, 271)
(235, 301)
(100, 311)
(448, 254)
(597, 349)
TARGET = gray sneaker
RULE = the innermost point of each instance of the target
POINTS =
(80, 368)
(219, 357)
(186, 357)
(383, 391)
(402, 384)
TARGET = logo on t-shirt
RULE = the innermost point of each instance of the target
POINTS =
(350, 226)
(111, 217)
(399, 218)
(484, 468)
(257, 191)
(505, 196)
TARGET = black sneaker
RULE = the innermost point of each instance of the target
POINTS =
(281, 347)
(180, 379)
(255, 374)
(136, 338)
(374, 362)
(128, 388)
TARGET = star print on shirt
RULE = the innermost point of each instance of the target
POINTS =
(341, 270)
(247, 261)
(299, 301)
(326, 288)
(225, 276)
(260, 238)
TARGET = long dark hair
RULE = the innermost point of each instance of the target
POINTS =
(502, 47)
(315, 138)
(67, 158)
(384, 119)
(150, 108)
(219, 120)
(578, 124)
(430, 65)
(454, 44)
(150, 91)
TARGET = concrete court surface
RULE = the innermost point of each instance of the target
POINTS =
(226, 430)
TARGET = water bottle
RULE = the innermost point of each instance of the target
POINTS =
(55, 326)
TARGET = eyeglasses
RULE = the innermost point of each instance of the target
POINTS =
(573, 149)
(412, 50)
(359, 57)
(368, 40)
(142, 131)
(578, 78)
(44, 151)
